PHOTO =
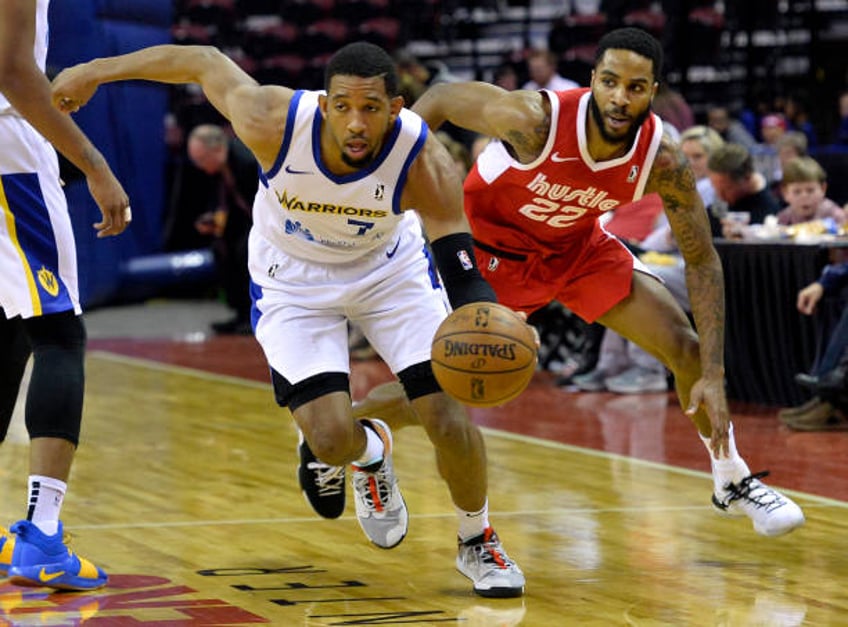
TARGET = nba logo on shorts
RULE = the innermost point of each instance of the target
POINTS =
(634, 172)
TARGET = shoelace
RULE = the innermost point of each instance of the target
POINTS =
(491, 551)
(751, 489)
(375, 488)
(329, 479)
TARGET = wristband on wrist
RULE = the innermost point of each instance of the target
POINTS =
(454, 255)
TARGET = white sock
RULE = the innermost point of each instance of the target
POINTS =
(45, 502)
(472, 523)
(730, 466)
(374, 448)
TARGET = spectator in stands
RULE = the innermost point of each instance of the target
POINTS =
(791, 145)
(737, 183)
(542, 66)
(826, 410)
(416, 76)
(796, 110)
(505, 76)
(233, 172)
(772, 128)
(730, 129)
(698, 143)
(803, 187)
(673, 109)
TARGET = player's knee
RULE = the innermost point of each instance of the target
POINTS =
(329, 433)
(55, 397)
(332, 446)
(64, 330)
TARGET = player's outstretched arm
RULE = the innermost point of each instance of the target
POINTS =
(253, 110)
(520, 118)
(28, 90)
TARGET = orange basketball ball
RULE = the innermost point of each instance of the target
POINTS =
(484, 354)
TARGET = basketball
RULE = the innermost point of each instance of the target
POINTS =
(483, 354)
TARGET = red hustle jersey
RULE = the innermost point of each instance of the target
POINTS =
(550, 204)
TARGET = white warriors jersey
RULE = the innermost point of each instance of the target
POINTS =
(308, 212)
(39, 49)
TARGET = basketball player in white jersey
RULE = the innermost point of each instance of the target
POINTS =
(39, 296)
(331, 242)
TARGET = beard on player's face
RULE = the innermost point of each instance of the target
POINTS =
(627, 136)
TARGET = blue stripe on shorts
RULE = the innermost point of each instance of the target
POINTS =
(36, 239)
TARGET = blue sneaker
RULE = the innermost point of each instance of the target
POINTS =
(42, 560)
(7, 547)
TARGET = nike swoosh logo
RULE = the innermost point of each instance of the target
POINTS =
(557, 159)
(391, 253)
(45, 576)
(291, 170)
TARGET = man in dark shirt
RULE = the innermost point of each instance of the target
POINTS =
(234, 177)
(742, 188)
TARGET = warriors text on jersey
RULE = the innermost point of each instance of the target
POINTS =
(536, 224)
(311, 213)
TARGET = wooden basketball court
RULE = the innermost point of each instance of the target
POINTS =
(185, 492)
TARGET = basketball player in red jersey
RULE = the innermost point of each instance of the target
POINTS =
(562, 159)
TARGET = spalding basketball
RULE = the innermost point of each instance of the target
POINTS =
(484, 354)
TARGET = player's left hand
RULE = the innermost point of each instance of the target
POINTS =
(112, 200)
(708, 392)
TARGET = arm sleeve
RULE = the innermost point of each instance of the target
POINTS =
(454, 255)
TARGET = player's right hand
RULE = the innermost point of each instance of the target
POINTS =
(523, 316)
(73, 87)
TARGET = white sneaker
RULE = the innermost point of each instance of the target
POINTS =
(483, 560)
(637, 380)
(380, 507)
(772, 513)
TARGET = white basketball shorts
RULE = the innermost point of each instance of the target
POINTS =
(38, 262)
(303, 307)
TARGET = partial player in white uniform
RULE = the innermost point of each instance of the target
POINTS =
(39, 295)
(331, 242)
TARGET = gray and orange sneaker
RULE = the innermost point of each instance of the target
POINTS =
(483, 560)
(380, 507)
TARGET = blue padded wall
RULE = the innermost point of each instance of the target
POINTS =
(126, 122)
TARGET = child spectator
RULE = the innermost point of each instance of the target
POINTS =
(803, 187)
